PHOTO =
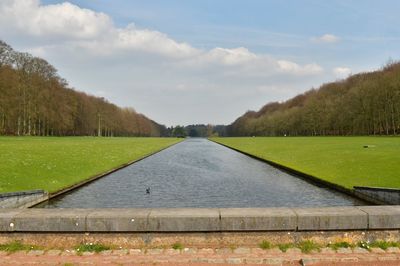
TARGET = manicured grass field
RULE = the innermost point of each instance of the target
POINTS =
(53, 163)
(339, 160)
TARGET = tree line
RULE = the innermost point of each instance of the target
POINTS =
(36, 101)
(362, 104)
(200, 130)
(197, 131)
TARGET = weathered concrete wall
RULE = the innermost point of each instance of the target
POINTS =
(379, 195)
(22, 199)
(201, 220)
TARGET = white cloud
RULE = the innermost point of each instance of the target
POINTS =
(242, 62)
(60, 20)
(234, 56)
(326, 38)
(95, 32)
(83, 27)
(148, 69)
(341, 72)
(294, 68)
(132, 38)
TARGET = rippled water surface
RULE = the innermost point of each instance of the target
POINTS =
(199, 173)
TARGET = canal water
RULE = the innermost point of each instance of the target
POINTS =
(199, 173)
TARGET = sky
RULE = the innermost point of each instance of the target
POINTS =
(189, 62)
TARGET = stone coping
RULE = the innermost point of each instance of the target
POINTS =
(384, 196)
(378, 189)
(200, 219)
(22, 193)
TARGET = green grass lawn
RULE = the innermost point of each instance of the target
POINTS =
(339, 160)
(53, 163)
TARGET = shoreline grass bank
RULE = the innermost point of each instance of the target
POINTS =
(344, 161)
(55, 163)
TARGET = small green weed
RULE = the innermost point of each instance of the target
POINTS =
(308, 246)
(177, 246)
(285, 247)
(91, 247)
(265, 245)
(384, 245)
(232, 247)
(16, 246)
(337, 245)
(364, 244)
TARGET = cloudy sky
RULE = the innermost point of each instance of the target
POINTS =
(184, 62)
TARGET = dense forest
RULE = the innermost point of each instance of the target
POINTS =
(36, 101)
(362, 104)
(197, 131)
(205, 131)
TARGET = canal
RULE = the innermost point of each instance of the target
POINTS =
(199, 173)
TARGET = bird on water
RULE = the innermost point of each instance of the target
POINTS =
(148, 190)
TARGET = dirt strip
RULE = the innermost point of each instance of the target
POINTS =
(205, 256)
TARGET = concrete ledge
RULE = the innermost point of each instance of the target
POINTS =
(50, 220)
(184, 220)
(22, 199)
(378, 195)
(382, 217)
(117, 220)
(21, 193)
(7, 219)
(331, 218)
(258, 219)
(200, 220)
